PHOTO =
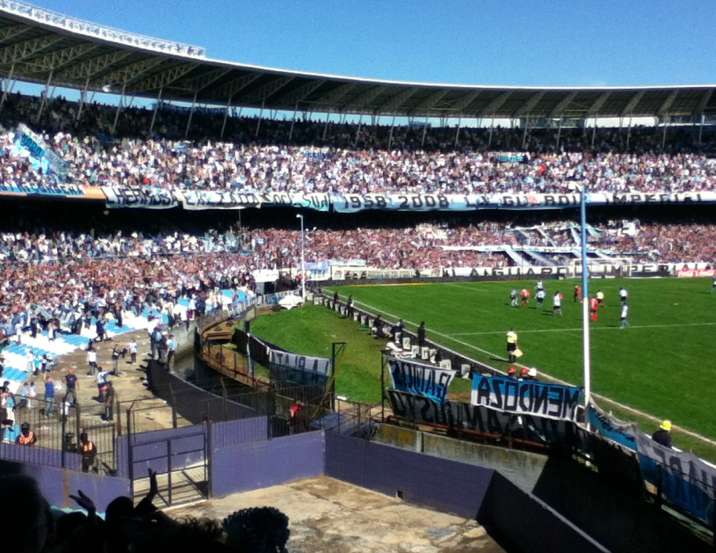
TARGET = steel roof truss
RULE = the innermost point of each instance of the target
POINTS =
(493, 107)
(21, 51)
(59, 58)
(232, 88)
(562, 105)
(164, 78)
(529, 105)
(633, 102)
(301, 93)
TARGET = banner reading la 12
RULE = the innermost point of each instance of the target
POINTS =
(420, 379)
(528, 397)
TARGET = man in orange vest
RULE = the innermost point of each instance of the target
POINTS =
(88, 451)
(27, 437)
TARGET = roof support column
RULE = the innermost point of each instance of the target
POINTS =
(701, 129)
(629, 133)
(492, 128)
(226, 116)
(425, 132)
(83, 97)
(325, 125)
(360, 122)
(293, 122)
(390, 134)
(44, 96)
(191, 115)
(663, 136)
(119, 105)
(559, 132)
(457, 132)
(524, 132)
(594, 132)
(261, 114)
(9, 86)
(156, 109)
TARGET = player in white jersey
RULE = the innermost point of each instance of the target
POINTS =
(557, 304)
(624, 318)
(623, 295)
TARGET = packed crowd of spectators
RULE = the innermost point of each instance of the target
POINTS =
(68, 277)
(259, 156)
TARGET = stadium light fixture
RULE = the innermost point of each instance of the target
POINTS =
(303, 259)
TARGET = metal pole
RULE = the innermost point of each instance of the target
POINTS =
(382, 387)
(8, 87)
(594, 132)
(293, 122)
(156, 109)
(44, 97)
(191, 114)
(226, 116)
(425, 131)
(701, 128)
(663, 136)
(457, 132)
(390, 135)
(261, 114)
(83, 95)
(303, 261)
(585, 300)
(492, 127)
(360, 121)
(325, 126)
(119, 105)
(559, 132)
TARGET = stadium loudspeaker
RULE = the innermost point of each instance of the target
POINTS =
(406, 343)
(425, 353)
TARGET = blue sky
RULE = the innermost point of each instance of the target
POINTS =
(637, 42)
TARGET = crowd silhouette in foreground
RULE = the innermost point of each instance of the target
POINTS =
(32, 526)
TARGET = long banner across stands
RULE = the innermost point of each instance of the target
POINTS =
(685, 480)
(527, 397)
(420, 379)
(145, 197)
(286, 360)
(477, 418)
(229, 199)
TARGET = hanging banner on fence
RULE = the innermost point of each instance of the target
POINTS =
(351, 203)
(141, 197)
(686, 481)
(476, 418)
(420, 379)
(303, 363)
(56, 190)
(528, 397)
(234, 199)
(612, 429)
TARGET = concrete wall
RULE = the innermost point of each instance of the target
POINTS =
(437, 483)
(248, 466)
(520, 467)
(57, 484)
(40, 456)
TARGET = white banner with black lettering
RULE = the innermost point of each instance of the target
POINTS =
(143, 197)
(286, 360)
(526, 397)
(350, 203)
(420, 379)
(234, 199)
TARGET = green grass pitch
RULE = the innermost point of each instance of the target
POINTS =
(663, 364)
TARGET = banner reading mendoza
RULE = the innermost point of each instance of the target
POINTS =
(525, 397)
(420, 379)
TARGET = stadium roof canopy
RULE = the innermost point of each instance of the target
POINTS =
(41, 46)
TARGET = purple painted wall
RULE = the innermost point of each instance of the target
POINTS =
(151, 449)
(57, 484)
(238, 432)
(40, 456)
(438, 483)
(254, 465)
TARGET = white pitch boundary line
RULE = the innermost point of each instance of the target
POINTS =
(598, 396)
(534, 331)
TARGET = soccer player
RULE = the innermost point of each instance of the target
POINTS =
(594, 309)
(557, 304)
(623, 295)
(513, 297)
(577, 293)
(539, 296)
(524, 297)
(511, 345)
(624, 316)
(713, 286)
(600, 298)
(540, 286)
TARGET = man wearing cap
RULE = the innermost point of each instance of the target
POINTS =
(511, 345)
(663, 435)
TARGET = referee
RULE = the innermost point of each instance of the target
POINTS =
(511, 345)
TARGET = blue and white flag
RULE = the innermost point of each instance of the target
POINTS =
(420, 379)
